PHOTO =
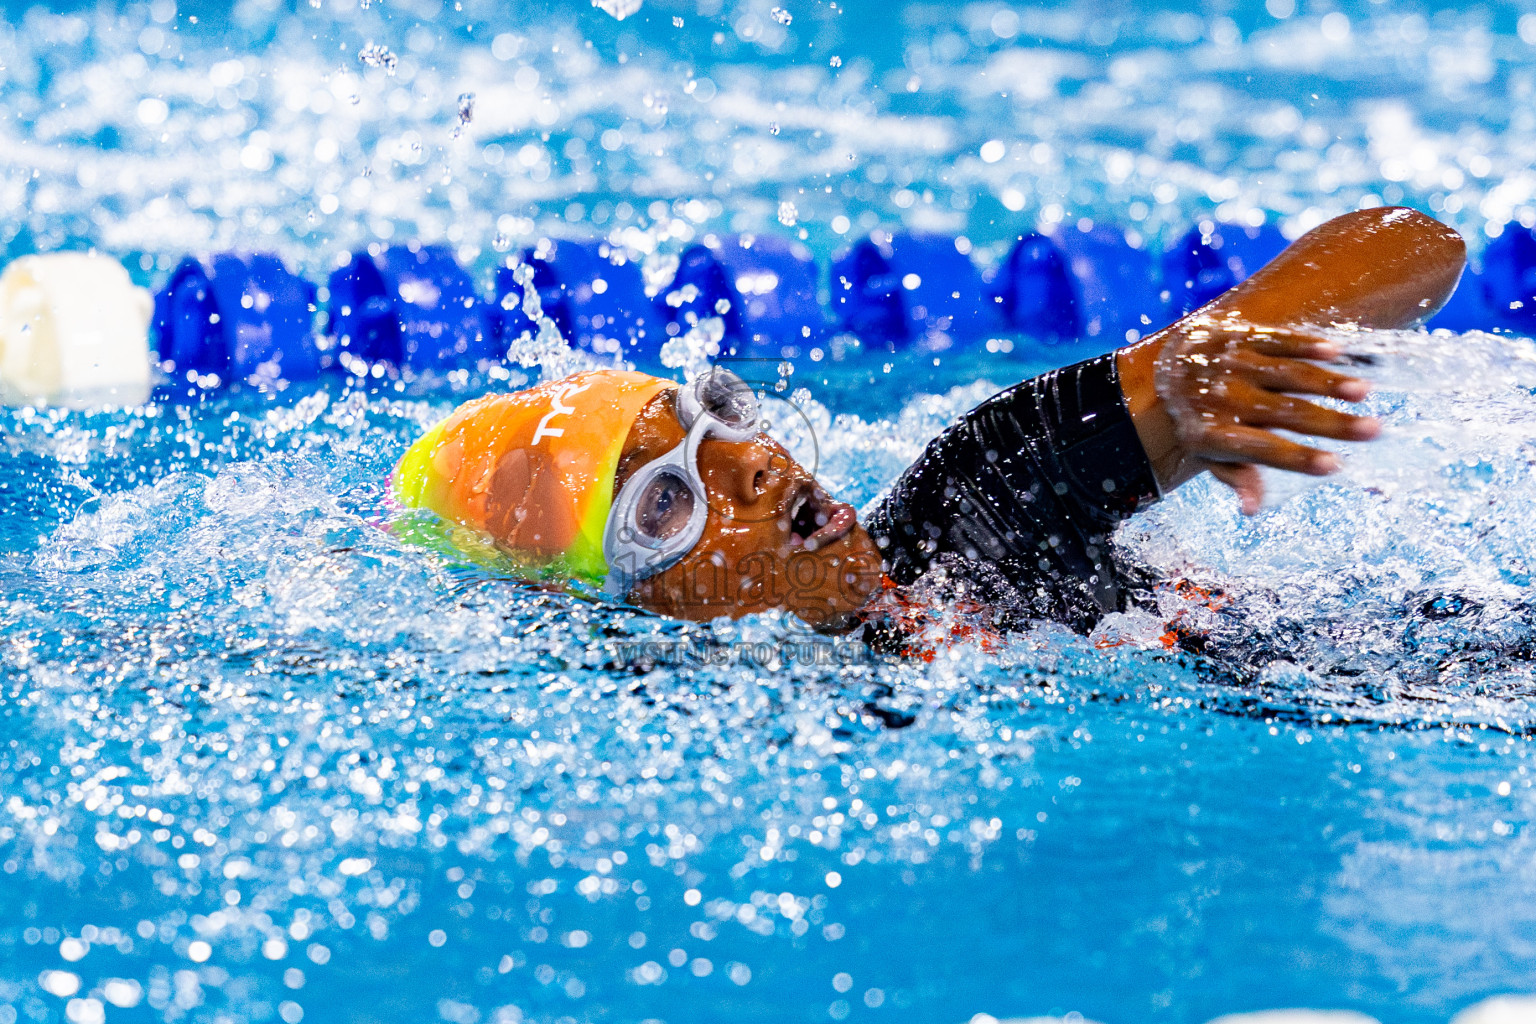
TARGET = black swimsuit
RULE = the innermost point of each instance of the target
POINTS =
(1021, 496)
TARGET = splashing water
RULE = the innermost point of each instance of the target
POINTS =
(1399, 590)
(546, 347)
(692, 351)
(272, 629)
(264, 743)
(377, 55)
(619, 9)
(466, 112)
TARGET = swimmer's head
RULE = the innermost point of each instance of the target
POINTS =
(669, 497)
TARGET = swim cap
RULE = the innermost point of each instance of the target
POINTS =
(534, 469)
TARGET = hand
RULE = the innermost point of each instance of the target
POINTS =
(1227, 385)
(1209, 391)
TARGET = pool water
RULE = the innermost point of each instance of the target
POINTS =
(266, 756)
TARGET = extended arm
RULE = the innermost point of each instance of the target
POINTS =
(1032, 482)
(1208, 392)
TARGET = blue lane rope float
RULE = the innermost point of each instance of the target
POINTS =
(1212, 258)
(908, 289)
(1084, 282)
(412, 309)
(1506, 288)
(595, 296)
(1033, 290)
(1114, 284)
(764, 288)
(236, 316)
(407, 308)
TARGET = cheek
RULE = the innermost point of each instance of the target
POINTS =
(738, 536)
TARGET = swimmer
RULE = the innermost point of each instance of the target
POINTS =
(669, 497)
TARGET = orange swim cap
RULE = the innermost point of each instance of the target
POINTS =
(533, 469)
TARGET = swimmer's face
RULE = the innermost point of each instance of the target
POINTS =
(773, 538)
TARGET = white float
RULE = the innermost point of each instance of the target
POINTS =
(74, 329)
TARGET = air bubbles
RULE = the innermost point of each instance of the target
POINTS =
(781, 16)
(788, 214)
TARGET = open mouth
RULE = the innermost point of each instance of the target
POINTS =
(816, 520)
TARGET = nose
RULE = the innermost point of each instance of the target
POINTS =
(745, 471)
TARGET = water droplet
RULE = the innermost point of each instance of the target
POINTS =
(781, 16)
(836, 61)
(620, 9)
(773, 127)
(377, 55)
(677, 21)
(501, 242)
(788, 215)
(692, 352)
(548, 348)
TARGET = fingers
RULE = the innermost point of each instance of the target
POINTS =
(1240, 443)
(1230, 388)
(1298, 377)
(1257, 407)
(1243, 478)
(1284, 342)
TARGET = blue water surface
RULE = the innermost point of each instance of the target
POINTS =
(264, 755)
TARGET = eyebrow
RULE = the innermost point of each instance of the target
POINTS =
(628, 461)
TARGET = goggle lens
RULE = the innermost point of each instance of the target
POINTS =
(727, 398)
(664, 508)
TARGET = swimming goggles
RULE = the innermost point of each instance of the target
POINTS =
(658, 515)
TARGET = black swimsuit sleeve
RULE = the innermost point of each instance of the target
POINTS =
(1030, 484)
